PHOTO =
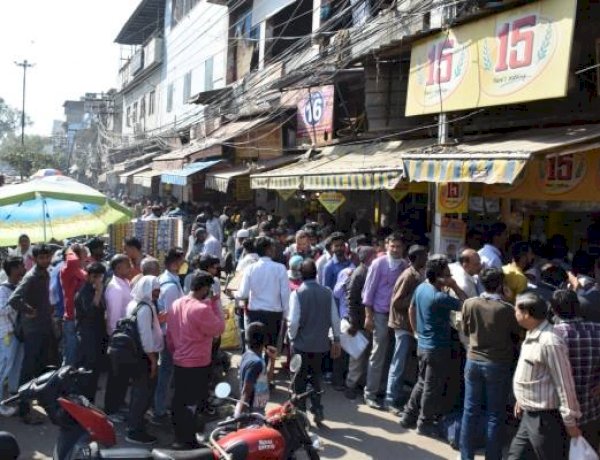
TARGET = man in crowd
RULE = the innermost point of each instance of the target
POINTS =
(489, 324)
(582, 339)
(116, 297)
(313, 312)
(192, 323)
(301, 247)
(96, 247)
(399, 321)
(196, 247)
(90, 309)
(15, 270)
(543, 386)
(133, 249)
(25, 251)
(170, 291)
(213, 225)
(143, 375)
(491, 252)
(72, 278)
(31, 299)
(430, 317)
(377, 295)
(465, 272)
(265, 285)
(514, 273)
(357, 367)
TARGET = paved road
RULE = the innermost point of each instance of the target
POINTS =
(352, 431)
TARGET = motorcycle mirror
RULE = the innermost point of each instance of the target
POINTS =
(296, 363)
(222, 390)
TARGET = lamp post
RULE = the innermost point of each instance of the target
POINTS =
(25, 66)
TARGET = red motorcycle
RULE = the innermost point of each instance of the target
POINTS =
(86, 433)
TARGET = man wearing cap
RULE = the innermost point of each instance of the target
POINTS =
(404, 289)
(240, 236)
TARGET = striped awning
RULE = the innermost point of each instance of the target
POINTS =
(366, 166)
(145, 178)
(487, 171)
(124, 177)
(180, 176)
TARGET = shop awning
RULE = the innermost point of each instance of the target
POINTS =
(494, 159)
(180, 176)
(123, 177)
(220, 180)
(144, 178)
(368, 166)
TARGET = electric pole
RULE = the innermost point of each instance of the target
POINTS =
(25, 65)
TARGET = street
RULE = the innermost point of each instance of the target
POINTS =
(351, 431)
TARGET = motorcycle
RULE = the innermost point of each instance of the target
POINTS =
(86, 433)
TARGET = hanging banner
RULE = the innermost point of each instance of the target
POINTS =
(331, 201)
(286, 194)
(452, 236)
(243, 192)
(518, 55)
(398, 193)
(315, 115)
(452, 198)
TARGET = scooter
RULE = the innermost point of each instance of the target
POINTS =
(282, 434)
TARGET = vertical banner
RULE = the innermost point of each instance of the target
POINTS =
(286, 194)
(315, 115)
(452, 236)
(331, 201)
(452, 198)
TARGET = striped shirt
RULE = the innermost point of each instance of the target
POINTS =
(583, 341)
(7, 315)
(544, 360)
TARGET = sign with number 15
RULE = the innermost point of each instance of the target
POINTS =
(518, 55)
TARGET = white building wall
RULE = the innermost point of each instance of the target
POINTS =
(200, 35)
(138, 92)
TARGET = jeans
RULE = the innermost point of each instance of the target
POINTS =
(542, 436)
(190, 397)
(376, 383)
(69, 337)
(310, 372)
(486, 385)
(165, 374)
(402, 348)
(426, 398)
(8, 352)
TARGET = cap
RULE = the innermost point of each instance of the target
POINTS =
(242, 233)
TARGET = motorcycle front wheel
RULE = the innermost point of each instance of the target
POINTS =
(305, 453)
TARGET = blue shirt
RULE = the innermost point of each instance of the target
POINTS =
(254, 371)
(56, 293)
(332, 270)
(433, 316)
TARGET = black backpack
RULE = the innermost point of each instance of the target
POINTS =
(124, 345)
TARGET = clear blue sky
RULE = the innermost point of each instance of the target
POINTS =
(71, 44)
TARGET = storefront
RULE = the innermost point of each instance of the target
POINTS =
(187, 184)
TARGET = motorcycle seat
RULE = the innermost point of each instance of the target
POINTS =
(204, 453)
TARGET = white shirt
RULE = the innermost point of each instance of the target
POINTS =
(212, 247)
(117, 296)
(151, 335)
(466, 282)
(213, 226)
(265, 284)
(246, 261)
(491, 257)
(321, 262)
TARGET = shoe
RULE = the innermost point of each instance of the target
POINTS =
(407, 422)
(318, 416)
(429, 430)
(351, 394)
(116, 418)
(33, 418)
(392, 408)
(373, 404)
(141, 438)
(7, 411)
(160, 420)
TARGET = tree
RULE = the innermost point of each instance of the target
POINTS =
(9, 119)
(32, 158)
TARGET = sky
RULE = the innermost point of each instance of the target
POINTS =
(71, 43)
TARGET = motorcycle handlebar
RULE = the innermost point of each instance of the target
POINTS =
(241, 419)
(11, 400)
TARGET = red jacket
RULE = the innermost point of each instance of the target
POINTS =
(72, 278)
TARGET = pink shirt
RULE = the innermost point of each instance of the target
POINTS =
(116, 296)
(191, 326)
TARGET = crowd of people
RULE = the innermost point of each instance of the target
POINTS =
(506, 334)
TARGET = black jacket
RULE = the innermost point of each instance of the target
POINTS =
(356, 308)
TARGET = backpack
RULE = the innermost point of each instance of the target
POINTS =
(124, 344)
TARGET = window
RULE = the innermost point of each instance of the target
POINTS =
(187, 86)
(128, 117)
(208, 74)
(143, 107)
(151, 102)
(179, 9)
(134, 113)
(170, 91)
